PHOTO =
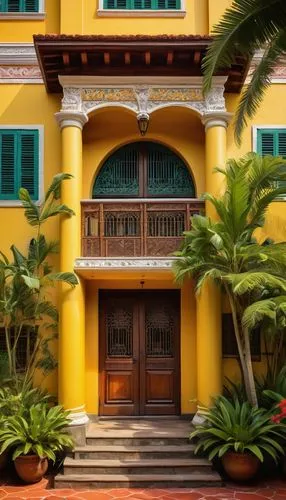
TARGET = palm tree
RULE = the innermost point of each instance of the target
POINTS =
(246, 26)
(227, 252)
(24, 282)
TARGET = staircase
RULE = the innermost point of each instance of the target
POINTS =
(137, 454)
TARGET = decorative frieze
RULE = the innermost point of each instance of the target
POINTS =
(19, 64)
(144, 98)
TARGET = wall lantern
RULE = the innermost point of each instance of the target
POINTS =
(143, 122)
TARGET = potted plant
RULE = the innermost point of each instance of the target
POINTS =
(35, 437)
(240, 435)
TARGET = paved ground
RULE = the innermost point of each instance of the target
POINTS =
(273, 490)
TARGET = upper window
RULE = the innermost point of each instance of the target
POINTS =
(144, 169)
(19, 5)
(19, 162)
(142, 4)
(272, 141)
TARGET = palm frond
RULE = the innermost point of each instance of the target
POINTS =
(246, 25)
(55, 187)
(260, 81)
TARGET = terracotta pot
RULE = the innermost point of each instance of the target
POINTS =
(31, 468)
(3, 460)
(240, 466)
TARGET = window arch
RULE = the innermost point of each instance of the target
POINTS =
(144, 169)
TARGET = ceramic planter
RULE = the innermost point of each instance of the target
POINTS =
(240, 466)
(31, 468)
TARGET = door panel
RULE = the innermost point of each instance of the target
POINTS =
(139, 353)
(159, 370)
(118, 352)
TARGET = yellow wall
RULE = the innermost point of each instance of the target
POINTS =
(23, 30)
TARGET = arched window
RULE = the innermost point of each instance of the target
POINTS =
(144, 169)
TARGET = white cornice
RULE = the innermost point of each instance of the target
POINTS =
(18, 54)
(279, 72)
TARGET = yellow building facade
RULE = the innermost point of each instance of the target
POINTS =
(131, 340)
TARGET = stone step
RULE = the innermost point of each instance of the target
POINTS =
(134, 467)
(93, 481)
(120, 440)
(131, 452)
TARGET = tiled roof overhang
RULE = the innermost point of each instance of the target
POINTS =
(134, 55)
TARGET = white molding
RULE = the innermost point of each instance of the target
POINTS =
(19, 64)
(40, 128)
(18, 53)
(176, 13)
(22, 16)
(122, 264)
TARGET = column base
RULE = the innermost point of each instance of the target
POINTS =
(77, 427)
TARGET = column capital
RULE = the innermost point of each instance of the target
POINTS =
(216, 119)
(71, 119)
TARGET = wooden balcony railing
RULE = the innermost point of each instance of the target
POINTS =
(135, 228)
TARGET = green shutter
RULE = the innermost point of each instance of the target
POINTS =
(272, 142)
(8, 152)
(142, 4)
(19, 163)
(19, 5)
(29, 160)
(31, 6)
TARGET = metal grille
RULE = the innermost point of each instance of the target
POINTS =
(162, 173)
(119, 326)
(25, 345)
(160, 328)
(166, 224)
(167, 174)
(119, 175)
(122, 224)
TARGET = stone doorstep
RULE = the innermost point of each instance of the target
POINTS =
(128, 452)
(94, 481)
(136, 466)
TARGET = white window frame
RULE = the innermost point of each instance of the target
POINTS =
(40, 128)
(102, 12)
(25, 16)
(255, 128)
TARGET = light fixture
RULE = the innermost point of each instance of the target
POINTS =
(143, 122)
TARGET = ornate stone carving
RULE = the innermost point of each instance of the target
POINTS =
(142, 95)
(124, 263)
(72, 100)
(215, 101)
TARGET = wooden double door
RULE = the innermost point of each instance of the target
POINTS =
(139, 353)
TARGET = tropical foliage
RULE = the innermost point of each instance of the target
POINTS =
(24, 281)
(238, 427)
(246, 26)
(42, 431)
(13, 402)
(226, 250)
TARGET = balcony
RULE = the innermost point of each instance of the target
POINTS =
(135, 228)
